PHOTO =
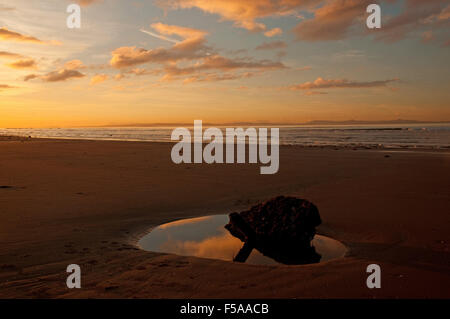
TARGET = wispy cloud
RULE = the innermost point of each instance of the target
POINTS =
(244, 13)
(23, 64)
(98, 78)
(56, 76)
(189, 59)
(10, 55)
(6, 87)
(321, 83)
(6, 8)
(8, 35)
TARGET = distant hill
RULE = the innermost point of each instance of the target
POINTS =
(356, 122)
(316, 122)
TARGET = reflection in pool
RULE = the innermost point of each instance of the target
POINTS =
(206, 237)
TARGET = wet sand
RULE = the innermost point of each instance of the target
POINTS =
(89, 202)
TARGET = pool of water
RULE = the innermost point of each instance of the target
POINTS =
(206, 237)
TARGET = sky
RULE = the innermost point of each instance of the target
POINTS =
(222, 61)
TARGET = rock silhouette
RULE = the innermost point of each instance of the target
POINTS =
(281, 228)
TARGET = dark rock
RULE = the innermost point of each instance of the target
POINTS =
(281, 228)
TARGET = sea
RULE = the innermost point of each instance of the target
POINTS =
(423, 136)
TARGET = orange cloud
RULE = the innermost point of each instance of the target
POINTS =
(183, 32)
(10, 55)
(192, 46)
(61, 75)
(74, 65)
(56, 76)
(417, 14)
(217, 62)
(332, 21)
(23, 64)
(214, 77)
(321, 83)
(337, 19)
(99, 78)
(201, 60)
(8, 35)
(6, 86)
(5, 8)
(273, 32)
(243, 13)
(85, 3)
(130, 56)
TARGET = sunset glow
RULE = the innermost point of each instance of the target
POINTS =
(222, 61)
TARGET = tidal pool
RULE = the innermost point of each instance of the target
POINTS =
(206, 237)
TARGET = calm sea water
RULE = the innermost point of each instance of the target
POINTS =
(388, 136)
(207, 237)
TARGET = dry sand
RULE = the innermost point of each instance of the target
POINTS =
(88, 202)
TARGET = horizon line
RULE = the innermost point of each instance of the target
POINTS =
(244, 123)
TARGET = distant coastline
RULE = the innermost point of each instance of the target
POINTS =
(315, 122)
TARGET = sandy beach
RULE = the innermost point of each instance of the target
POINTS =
(89, 202)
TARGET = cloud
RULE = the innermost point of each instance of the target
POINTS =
(272, 45)
(30, 77)
(191, 46)
(416, 15)
(10, 55)
(62, 75)
(243, 13)
(98, 78)
(444, 14)
(214, 77)
(189, 59)
(321, 83)
(183, 32)
(74, 65)
(273, 32)
(8, 35)
(226, 64)
(130, 56)
(21, 61)
(201, 71)
(56, 76)
(85, 3)
(23, 64)
(6, 87)
(5, 8)
(323, 20)
(339, 19)
(332, 21)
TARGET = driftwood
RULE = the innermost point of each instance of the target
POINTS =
(281, 228)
